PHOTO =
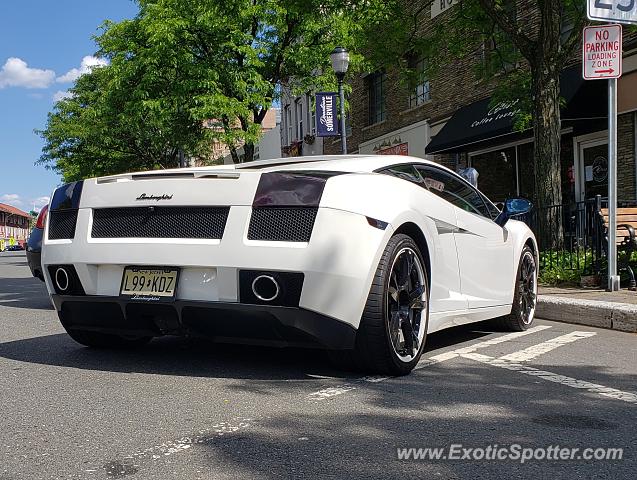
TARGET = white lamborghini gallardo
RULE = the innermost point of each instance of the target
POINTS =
(360, 255)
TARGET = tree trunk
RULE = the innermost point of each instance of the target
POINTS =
(234, 154)
(547, 136)
(248, 150)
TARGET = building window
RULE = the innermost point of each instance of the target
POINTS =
(288, 124)
(499, 55)
(311, 108)
(419, 92)
(299, 118)
(376, 91)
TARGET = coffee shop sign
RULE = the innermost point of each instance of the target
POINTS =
(500, 111)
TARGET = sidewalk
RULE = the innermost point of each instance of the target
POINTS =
(592, 307)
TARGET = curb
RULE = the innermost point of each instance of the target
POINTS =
(593, 313)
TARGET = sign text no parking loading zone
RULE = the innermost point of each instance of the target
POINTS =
(602, 52)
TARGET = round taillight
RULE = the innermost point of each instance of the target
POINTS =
(42, 217)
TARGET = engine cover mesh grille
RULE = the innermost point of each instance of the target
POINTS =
(62, 224)
(282, 224)
(160, 222)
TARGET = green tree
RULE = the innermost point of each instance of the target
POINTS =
(180, 65)
(108, 124)
(528, 44)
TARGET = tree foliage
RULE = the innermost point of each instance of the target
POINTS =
(109, 124)
(182, 66)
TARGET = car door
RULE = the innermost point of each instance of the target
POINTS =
(485, 250)
(445, 293)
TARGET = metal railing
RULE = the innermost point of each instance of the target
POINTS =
(579, 244)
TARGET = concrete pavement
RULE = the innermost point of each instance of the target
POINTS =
(179, 409)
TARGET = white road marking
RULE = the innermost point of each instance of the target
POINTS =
(504, 338)
(330, 392)
(374, 378)
(536, 350)
(183, 444)
(426, 362)
(629, 397)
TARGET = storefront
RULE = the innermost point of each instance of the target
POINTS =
(482, 136)
(410, 140)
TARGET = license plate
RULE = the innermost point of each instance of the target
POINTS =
(150, 283)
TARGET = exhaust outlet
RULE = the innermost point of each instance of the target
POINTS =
(265, 288)
(61, 278)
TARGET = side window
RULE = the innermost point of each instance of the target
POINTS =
(406, 172)
(453, 190)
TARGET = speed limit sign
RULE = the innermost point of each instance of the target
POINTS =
(619, 11)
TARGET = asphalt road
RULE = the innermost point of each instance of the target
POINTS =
(179, 409)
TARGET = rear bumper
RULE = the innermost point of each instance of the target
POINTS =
(220, 321)
(338, 263)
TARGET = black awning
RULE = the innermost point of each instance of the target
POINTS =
(480, 122)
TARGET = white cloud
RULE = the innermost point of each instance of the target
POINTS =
(16, 73)
(18, 201)
(11, 199)
(88, 62)
(39, 202)
(61, 95)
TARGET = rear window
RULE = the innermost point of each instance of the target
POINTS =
(406, 172)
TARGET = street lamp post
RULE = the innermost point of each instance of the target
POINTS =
(340, 63)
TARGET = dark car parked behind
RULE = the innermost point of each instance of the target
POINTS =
(34, 245)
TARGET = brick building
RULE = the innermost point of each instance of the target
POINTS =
(14, 226)
(449, 118)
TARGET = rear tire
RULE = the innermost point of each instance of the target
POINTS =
(393, 328)
(525, 295)
(107, 340)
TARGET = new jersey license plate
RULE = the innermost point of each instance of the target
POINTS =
(156, 283)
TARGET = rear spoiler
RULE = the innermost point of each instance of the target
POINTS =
(169, 174)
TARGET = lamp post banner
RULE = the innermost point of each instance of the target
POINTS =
(326, 116)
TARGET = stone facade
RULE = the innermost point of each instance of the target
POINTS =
(626, 151)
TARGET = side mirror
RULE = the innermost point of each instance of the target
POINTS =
(513, 207)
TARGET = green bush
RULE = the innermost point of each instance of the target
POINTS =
(564, 268)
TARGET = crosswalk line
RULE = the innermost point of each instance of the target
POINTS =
(535, 351)
(629, 397)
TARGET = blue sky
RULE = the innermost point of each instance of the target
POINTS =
(44, 44)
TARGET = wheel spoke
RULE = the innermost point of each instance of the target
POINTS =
(417, 304)
(416, 343)
(393, 280)
(523, 306)
(416, 292)
(532, 298)
(394, 326)
(410, 261)
(403, 275)
(393, 293)
(408, 334)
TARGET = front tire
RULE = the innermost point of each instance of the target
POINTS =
(107, 340)
(393, 328)
(525, 294)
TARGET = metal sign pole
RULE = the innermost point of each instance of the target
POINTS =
(613, 278)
